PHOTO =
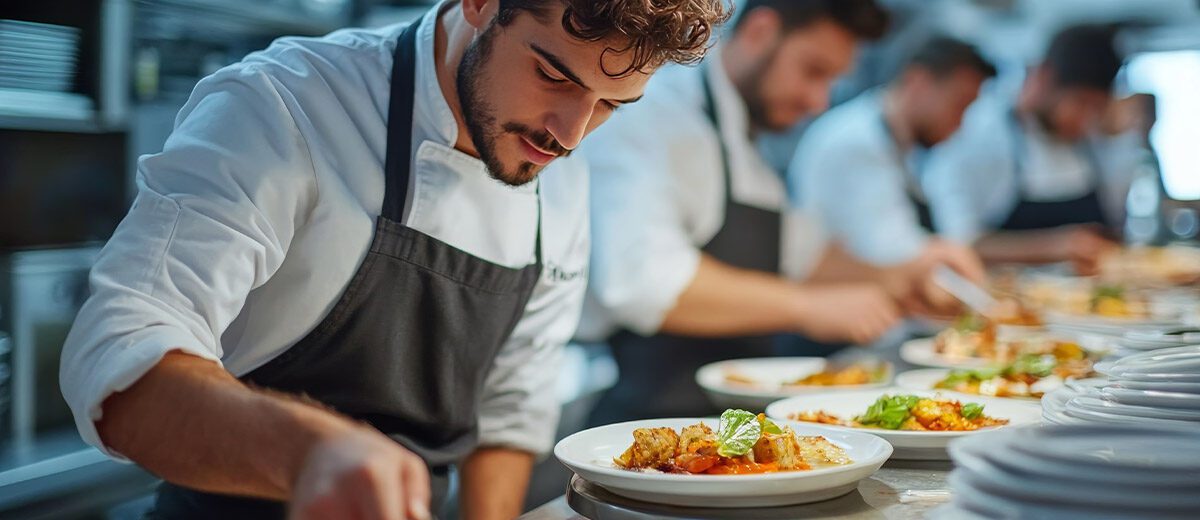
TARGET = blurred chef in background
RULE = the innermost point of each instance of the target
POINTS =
(697, 255)
(859, 165)
(1023, 180)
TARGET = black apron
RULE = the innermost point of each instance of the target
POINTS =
(407, 347)
(912, 188)
(1033, 214)
(657, 373)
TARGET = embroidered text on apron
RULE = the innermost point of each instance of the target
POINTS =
(1033, 214)
(408, 345)
(657, 373)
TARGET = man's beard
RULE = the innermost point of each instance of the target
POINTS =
(751, 91)
(481, 120)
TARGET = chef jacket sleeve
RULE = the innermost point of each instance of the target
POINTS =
(213, 217)
(857, 186)
(643, 256)
(520, 404)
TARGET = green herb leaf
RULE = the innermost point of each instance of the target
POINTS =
(1034, 364)
(970, 323)
(737, 432)
(769, 426)
(972, 410)
(888, 411)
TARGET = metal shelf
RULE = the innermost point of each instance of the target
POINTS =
(284, 19)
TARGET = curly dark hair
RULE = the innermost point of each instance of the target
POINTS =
(655, 32)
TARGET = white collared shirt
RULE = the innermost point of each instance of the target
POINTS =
(249, 225)
(848, 169)
(658, 196)
(972, 180)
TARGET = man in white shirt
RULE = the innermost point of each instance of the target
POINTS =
(858, 165)
(698, 256)
(350, 267)
(1022, 181)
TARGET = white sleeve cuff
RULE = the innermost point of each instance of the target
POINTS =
(87, 381)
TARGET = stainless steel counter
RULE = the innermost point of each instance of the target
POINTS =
(900, 490)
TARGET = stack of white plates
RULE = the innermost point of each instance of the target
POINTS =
(1155, 388)
(1158, 339)
(1081, 471)
(37, 56)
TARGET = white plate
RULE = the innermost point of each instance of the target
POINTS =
(908, 444)
(975, 493)
(1114, 448)
(1151, 398)
(1151, 412)
(773, 373)
(926, 378)
(589, 454)
(1109, 455)
(1029, 484)
(1161, 386)
(921, 352)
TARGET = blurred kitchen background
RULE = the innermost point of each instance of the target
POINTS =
(87, 86)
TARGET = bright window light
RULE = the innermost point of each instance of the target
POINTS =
(1174, 79)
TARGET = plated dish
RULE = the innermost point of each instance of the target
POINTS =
(910, 413)
(594, 454)
(744, 443)
(963, 347)
(918, 428)
(757, 382)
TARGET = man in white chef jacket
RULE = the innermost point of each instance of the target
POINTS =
(1022, 180)
(858, 165)
(351, 268)
(698, 256)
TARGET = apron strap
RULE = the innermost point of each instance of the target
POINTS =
(710, 110)
(397, 165)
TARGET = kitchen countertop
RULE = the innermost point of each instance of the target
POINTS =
(900, 490)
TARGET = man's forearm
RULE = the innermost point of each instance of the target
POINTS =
(494, 482)
(190, 422)
(723, 300)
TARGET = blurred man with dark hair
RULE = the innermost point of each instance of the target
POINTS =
(1022, 180)
(858, 165)
(697, 254)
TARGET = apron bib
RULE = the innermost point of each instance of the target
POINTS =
(657, 373)
(1033, 214)
(409, 344)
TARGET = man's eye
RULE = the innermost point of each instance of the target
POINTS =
(548, 77)
(612, 107)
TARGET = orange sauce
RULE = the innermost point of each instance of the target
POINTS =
(742, 467)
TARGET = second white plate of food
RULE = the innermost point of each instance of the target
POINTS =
(755, 383)
(948, 415)
(922, 352)
(591, 454)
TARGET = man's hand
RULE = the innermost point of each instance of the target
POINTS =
(859, 313)
(1084, 246)
(360, 473)
(911, 284)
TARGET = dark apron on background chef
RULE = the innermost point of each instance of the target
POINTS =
(1034, 214)
(657, 373)
(407, 346)
(912, 182)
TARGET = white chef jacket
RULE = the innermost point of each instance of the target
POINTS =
(850, 170)
(658, 196)
(249, 225)
(972, 181)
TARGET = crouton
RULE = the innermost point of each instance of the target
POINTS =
(651, 448)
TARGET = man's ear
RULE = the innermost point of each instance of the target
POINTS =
(480, 13)
(760, 30)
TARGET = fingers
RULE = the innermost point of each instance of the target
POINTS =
(375, 489)
(416, 493)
